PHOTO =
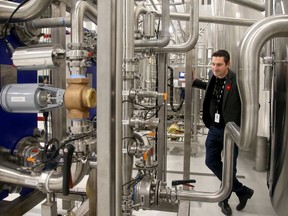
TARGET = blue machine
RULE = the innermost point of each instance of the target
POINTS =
(14, 126)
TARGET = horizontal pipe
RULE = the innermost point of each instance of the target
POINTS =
(215, 19)
(227, 20)
(248, 72)
(51, 22)
(29, 11)
(50, 181)
(250, 4)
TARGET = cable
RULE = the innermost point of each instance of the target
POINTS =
(5, 28)
(171, 87)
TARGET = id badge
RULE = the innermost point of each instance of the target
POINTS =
(217, 117)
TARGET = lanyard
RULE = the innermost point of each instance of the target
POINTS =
(218, 91)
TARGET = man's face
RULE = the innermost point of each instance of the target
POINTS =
(219, 67)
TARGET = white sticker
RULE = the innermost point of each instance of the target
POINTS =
(125, 122)
(124, 151)
(18, 99)
(125, 93)
(217, 117)
(31, 182)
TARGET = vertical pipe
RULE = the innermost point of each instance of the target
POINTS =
(187, 112)
(92, 195)
(119, 62)
(58, 36)
(162, 115)
(127, 107)
(77, 17)
(106, 146)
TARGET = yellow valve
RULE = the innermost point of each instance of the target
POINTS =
(90, 98)
(151, 134)
(78, 98)
(165, 96)
(31, 159)
(145, 156)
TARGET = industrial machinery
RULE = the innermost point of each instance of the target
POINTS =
(144, 52)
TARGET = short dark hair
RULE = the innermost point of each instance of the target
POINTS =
(222, 53)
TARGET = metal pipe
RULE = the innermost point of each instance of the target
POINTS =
(214, 19)
(227, 20)
(194, 29)
(77, 19)
(107, 200)
(28, 11)
(142, 138)
(250, 4)
(118, 92)
(231, 135)
(50, 181)
(127, 108)
(165, 36)
(137, 12)
(51, 22)
(248, 72)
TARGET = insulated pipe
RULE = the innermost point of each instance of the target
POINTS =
(250, 4)
(248, 72)
(28, 11)
(165, 36)
(193, 37)
(50, 181)
(231, 135)
(77, 20)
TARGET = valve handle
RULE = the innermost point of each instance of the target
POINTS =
(181, 182)
(68, 153)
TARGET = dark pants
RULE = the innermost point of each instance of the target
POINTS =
(214, 147)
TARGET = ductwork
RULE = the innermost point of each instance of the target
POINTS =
(248, 72)
(29, 11)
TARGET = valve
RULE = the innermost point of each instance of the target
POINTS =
(67, 181)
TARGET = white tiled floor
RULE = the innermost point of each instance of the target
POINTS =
(258, 205)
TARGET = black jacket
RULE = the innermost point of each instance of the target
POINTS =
(231, 106)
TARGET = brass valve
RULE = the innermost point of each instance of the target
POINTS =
(78, 98)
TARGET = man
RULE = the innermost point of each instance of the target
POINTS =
(221, 105)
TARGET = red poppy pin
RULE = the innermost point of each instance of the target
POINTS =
(228, 87)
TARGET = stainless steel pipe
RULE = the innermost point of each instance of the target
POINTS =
(231, 136)
(248, 72)
(28, 11)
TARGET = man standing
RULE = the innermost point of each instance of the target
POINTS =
(221, 105)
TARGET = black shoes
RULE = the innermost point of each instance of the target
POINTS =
(225, 208)
(243, 199)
